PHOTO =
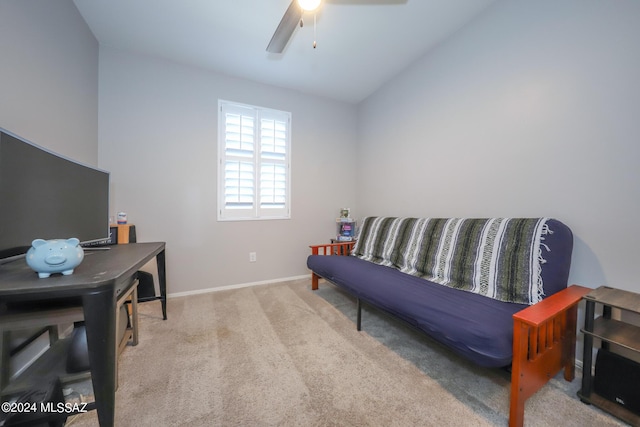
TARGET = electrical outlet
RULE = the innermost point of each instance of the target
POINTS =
(252, 257)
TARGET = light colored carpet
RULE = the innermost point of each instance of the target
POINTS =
(283, 355)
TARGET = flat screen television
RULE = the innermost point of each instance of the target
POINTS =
(46, 196)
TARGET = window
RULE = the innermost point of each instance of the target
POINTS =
(254, 162)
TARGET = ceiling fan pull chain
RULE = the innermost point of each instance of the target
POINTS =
(314, 30)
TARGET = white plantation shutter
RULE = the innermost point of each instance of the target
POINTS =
(254, 153)
(273, 163)
(239, 188)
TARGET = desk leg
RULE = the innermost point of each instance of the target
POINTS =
(162, 281)
(100, 323)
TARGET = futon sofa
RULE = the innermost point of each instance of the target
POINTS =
(493, 290)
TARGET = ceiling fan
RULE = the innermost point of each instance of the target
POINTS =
(293, 16)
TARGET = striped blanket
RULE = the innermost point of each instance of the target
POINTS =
(500, 258)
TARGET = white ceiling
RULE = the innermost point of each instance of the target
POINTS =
(360, 44)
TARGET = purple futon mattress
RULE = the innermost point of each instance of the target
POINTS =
(477, 327)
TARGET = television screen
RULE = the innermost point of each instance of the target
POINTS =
(46, 196)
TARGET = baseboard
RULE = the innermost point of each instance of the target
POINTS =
(238, 286)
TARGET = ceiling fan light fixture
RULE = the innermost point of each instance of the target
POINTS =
(309, 5)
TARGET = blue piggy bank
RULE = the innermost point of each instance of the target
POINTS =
(54, 256)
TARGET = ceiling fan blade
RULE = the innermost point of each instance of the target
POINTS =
(286, 28)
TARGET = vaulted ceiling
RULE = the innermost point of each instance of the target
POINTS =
(360, 43)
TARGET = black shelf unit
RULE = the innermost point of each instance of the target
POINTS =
(609, 331)
(49, 366)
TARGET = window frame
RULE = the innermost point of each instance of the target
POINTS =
(258, 160)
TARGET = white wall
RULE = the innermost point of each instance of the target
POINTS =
(158, 138)
(49, 77)
(531, 110)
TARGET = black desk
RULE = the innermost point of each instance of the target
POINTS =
(97, 281)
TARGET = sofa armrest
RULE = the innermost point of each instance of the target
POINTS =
(544, 342)
(342, 248)
(537, 314)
